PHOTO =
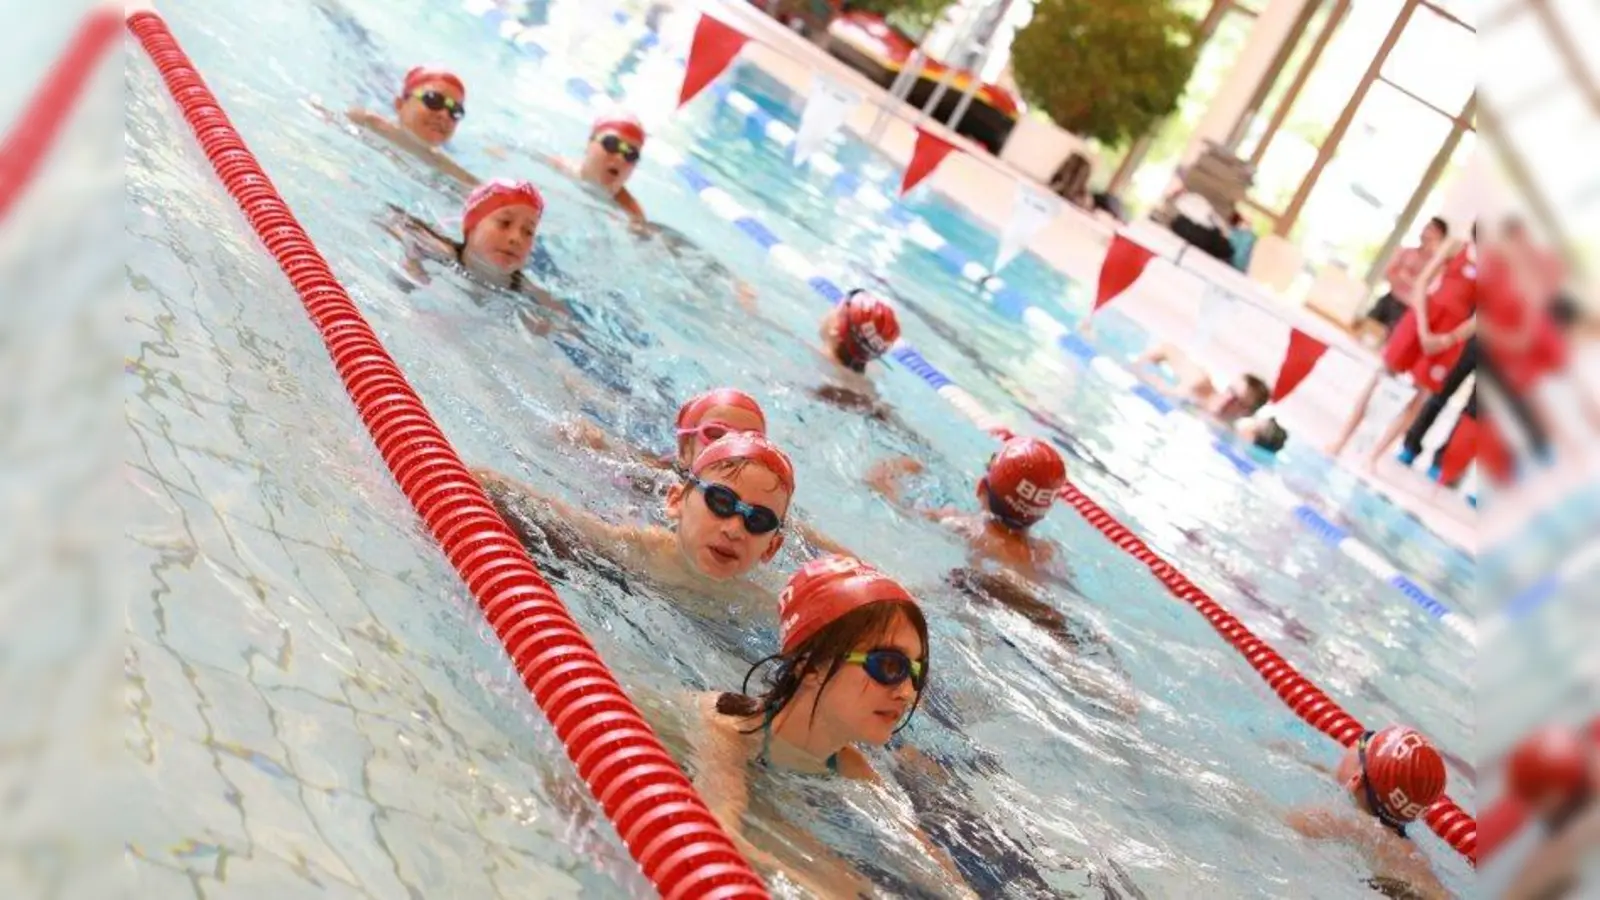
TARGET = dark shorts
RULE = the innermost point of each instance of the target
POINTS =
(1388, 310)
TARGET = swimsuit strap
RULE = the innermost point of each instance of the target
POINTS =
(766, 744)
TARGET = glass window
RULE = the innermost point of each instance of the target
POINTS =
(1518, 53)
(1436, 59)
(1380, 163)
(1581, 20)
(1286, 77)
(1558, 141)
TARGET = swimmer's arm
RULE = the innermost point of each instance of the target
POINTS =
(1556, 860)
(814, 538)
(884, 478)
(1320, 824)
(442, 162)
(597, 530)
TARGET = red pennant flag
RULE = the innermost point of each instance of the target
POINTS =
(1124, 263)
(925, 157)
(1304, 351)
(715, 45)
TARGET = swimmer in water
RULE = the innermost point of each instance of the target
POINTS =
(1555, 774)
(851, 669)
(728, 518)
(1239, 400)
(499, 223)
(430, 107)
(616, 142)
(1392, 776)
(702, 420)
(1016, 492)
(860, 329)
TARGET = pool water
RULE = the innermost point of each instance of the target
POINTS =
(316, 701)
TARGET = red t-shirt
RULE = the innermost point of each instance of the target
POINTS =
(1454, 297)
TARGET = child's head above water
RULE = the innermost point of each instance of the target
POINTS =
(616, 140)
(706, 417)
(1394, 774)
(499, 222)
(432, 102)
(1022, 481)
(854, 654)
(1245, 397)
(730, 510)
(862, 328)
(1553, 769)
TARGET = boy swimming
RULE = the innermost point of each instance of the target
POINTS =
(1391, 777)
(431, 105)
(702, 420)
(1243, 398)
(728, 518)
(616, 142)
(851, 669)
(859, 330)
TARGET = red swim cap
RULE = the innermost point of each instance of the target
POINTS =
(1551, 762)
(1024, 478)
(1405, 772)
(869, 321)
(498, 193)
(827, 589)
(624, 125)
(424, 74)
(691, 412)
(744, 445)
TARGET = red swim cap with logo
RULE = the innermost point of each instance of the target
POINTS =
(1023, 479)
(498, 193)
(869, 321)
(624, 125)
(827, 589)
(1550, 764)
(1405, 771)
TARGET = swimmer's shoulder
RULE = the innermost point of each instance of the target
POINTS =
(625, 199)
(853, 764)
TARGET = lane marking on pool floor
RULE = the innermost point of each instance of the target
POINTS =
(1007, 299)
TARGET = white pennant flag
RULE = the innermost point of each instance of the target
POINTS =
(826, 109)
(1031, 211)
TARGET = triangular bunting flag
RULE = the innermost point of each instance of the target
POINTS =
(715, 45)
(827, 106)
(1304, 351)
(925, 157)
(1124, 263)
(1030, 211)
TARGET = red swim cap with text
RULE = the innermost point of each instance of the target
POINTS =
(1024, 478)
(827, 589)
(1405, 771)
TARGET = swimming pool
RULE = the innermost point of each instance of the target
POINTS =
(314, 705)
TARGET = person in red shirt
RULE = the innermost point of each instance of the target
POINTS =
(1402, 272)
(1428, 340)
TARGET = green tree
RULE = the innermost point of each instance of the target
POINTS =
(911, 16)
(1105, 69)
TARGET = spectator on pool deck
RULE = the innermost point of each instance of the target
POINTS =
(1391, 777)
(1243, 398)
(1555, 774)
(728, 517)
(702, 420)
(1428, 341)
(431, 105)
(851, 669)
(1402, 271)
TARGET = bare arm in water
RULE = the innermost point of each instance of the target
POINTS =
(612, 541)
(1558, 861)
(434, 157)
(1396, 862)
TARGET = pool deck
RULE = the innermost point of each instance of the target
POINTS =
(1167, 301)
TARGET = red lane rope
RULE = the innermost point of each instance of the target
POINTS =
(675, 839)
(36, 127)
(1307, 701)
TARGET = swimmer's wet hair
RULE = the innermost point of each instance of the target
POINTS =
(1270, 436)
(822, 652)
(1258, 393)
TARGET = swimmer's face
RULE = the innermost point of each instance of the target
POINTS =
(724, 548)
(609, 170)
(733, 418)
(857, 704)
(432, 126)
(504, 239)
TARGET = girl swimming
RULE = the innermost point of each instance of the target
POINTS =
(851, 668)
(499, 222)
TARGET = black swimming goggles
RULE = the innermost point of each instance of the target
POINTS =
(1378, 809)
(725, 503)
(436, 101)
(619, 147)
(889, 667)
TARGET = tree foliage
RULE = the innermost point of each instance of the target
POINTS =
(911, 16)
(1105, 69)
